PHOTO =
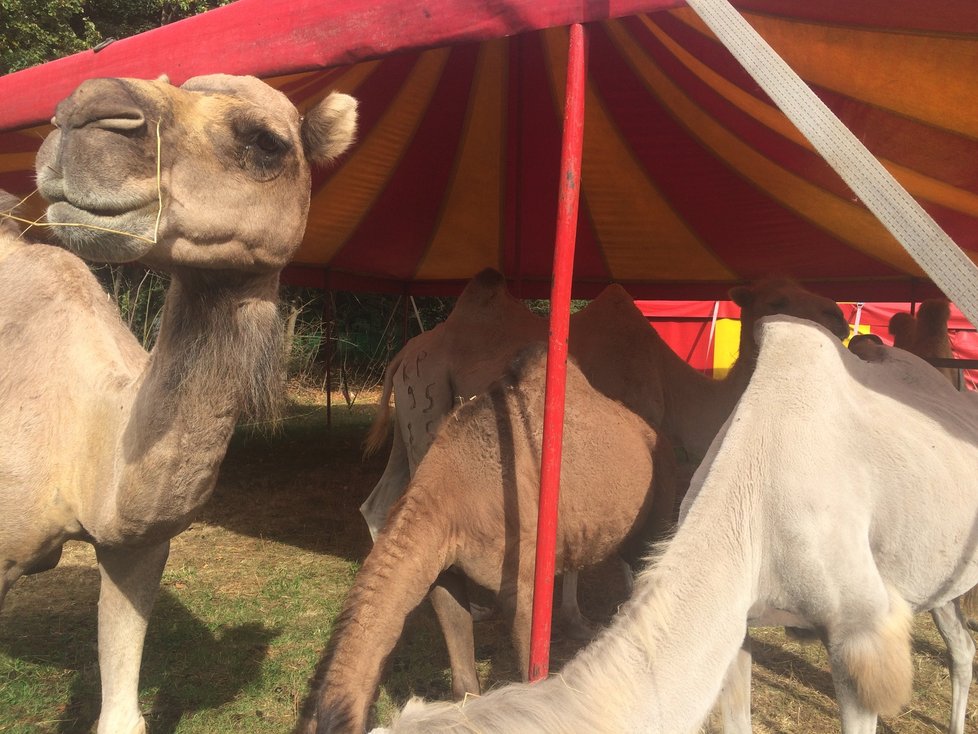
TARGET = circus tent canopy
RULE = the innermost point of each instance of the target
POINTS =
(692, 179)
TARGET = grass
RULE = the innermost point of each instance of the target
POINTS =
(251, 590)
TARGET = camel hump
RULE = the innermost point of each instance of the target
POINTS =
(933, 314)
(486, 288)
(528, 369)
(611, 299)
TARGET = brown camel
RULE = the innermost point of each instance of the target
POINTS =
(619, 352)
(102, 441)
(473, 504)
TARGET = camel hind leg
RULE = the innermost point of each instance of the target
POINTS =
(952, 625)
(449, 597)
(869, 649)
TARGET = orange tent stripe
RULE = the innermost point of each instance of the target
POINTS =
(920, 185)
(469, 232)
(847, 221)
(928, 78)
(347, 196)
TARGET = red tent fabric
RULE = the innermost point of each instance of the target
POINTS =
(692, 179)
(706, 333)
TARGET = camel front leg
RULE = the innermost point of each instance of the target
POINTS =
(574, 624)
(130, 584)
(450, 599)
(951, 624)
(735, 695)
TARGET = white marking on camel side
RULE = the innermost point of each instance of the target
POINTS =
(823, 499)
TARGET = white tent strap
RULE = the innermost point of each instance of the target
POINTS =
(713, 325)
(946, 264)
(859, 315)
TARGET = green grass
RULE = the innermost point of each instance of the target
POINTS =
(252, 588)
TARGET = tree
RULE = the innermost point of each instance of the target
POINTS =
(35, 31)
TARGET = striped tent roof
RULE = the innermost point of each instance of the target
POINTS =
(692, 179)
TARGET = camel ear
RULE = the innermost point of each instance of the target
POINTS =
(742, 296)
(329, 128)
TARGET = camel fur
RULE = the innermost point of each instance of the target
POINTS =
(618, 351)
(926, 336)
(103, 442)
(473, 504)
(846, 530)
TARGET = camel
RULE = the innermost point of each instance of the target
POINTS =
(846, 531)
(103, 442)
(619, 352)
(473, 504)
(925, 334)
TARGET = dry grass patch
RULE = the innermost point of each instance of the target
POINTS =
(251, 590)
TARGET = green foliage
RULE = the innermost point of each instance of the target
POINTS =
(35, 31)
(139, 294)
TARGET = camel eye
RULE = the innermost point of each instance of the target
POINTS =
(268, 143)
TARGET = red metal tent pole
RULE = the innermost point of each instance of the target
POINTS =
(553, 415)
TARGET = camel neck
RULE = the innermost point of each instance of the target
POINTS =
(661, 664)
(386, 590)
(218, 354)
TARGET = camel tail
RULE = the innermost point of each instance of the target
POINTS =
(377, 434)
(879, 660)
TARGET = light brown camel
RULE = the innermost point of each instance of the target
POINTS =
(847, 530)
(102, 441)
(618, 351)
(473, 504)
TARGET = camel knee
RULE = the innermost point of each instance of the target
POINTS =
(877, 659)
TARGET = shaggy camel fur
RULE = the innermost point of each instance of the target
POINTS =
(619, 352)
(102, 441)
(784, 523)
(926, 336)
(473, 504)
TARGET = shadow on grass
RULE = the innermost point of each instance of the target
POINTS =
(186, 667)
(301, 485)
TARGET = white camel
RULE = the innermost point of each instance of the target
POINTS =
(616, 348)
(822, 502)
(926, 336)
(103, 442)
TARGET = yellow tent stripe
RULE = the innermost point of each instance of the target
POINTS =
(920, 185)
(346, 198)
(848, 222)
(928, 78)
(468, 236)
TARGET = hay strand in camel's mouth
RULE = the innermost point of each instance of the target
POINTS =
(159, 211)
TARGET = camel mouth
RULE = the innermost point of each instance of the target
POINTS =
(104, 235)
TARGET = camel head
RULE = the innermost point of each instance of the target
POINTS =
(782, 296)
(902, 327)
(213, 174)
